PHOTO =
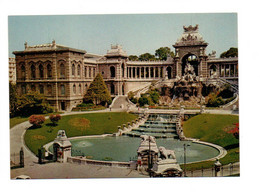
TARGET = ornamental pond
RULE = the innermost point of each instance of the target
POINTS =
(124, 148)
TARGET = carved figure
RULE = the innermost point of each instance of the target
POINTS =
(166, 153)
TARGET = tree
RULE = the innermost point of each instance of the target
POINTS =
(12, 99)
(163, 52)
(232, 52)
(97, 92)
(133, 58)
(235, 131)
(36, 120)
(33, 103)
(55, 118)
(147, 57)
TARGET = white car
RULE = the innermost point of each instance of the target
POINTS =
(22, 177)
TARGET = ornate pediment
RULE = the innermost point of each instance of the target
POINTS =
(190, 28)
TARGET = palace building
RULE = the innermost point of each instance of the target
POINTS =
(63, 74)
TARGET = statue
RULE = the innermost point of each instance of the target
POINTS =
(166, 153)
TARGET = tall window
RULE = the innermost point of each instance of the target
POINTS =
(49, 89)
(80, 89)
(41, 88)
(78, 70)
(62, 89)
(41, 71)
(89, 72)
(73, 69)
(62, 70)
(23, 72)
(33, 75)
(86, 88)
(112, 72)
(74, 89)
(33, 88)
(49, 71)
(23, 89)
(85, 72)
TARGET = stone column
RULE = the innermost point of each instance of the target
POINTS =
(159, 72)
(154, 72)
(132, 72)
(229, 70)
(149, 72)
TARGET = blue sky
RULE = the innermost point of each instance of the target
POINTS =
(137, 33)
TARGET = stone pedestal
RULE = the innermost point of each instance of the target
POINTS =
(61, 147)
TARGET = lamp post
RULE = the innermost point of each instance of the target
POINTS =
(149, 158)
(184, 146)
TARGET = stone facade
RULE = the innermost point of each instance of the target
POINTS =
(63, 74)
(12, 70)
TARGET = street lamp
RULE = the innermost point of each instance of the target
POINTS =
(184, 146)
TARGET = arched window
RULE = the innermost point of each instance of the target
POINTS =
(41, 71)
(49, 89)
(23, 87)
(85, 72)
(80, 89)
(62, 70)
(73, 70)
(112, 88)
(41, 88)
(94, 72)
(123, 70)
(62, 89)
(74, 89)
(86, 88)
(89, 72)
(33, 75)
(112, 72)
(49, 71)
(33, 88)
(23, 72)
(78, 70)
(169, 72)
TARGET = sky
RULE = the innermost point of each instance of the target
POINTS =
(137, 33)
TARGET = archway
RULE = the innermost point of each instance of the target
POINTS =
(169, 72)
(191, 59)
(213, 71)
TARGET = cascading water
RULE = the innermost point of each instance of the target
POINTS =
(159, 126)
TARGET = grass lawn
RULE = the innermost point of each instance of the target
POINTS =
(76, 125)
(17, 120)
(213, 129)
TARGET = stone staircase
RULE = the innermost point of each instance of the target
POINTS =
(120, 102)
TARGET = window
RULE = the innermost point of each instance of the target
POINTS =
(33, 75)
(80, 89)
(23, 72)
(49, 71)
(23, 89)
(41, 88)
(85, 72)
(78, 70)
(112, 72)
(41, 71)
(73, 69)
(62, 89)
(33, 88)
(49, 89)
(62, 70)
(89, 72)
(74, 89)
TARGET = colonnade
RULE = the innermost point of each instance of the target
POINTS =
(228, 70)
(146, 72)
